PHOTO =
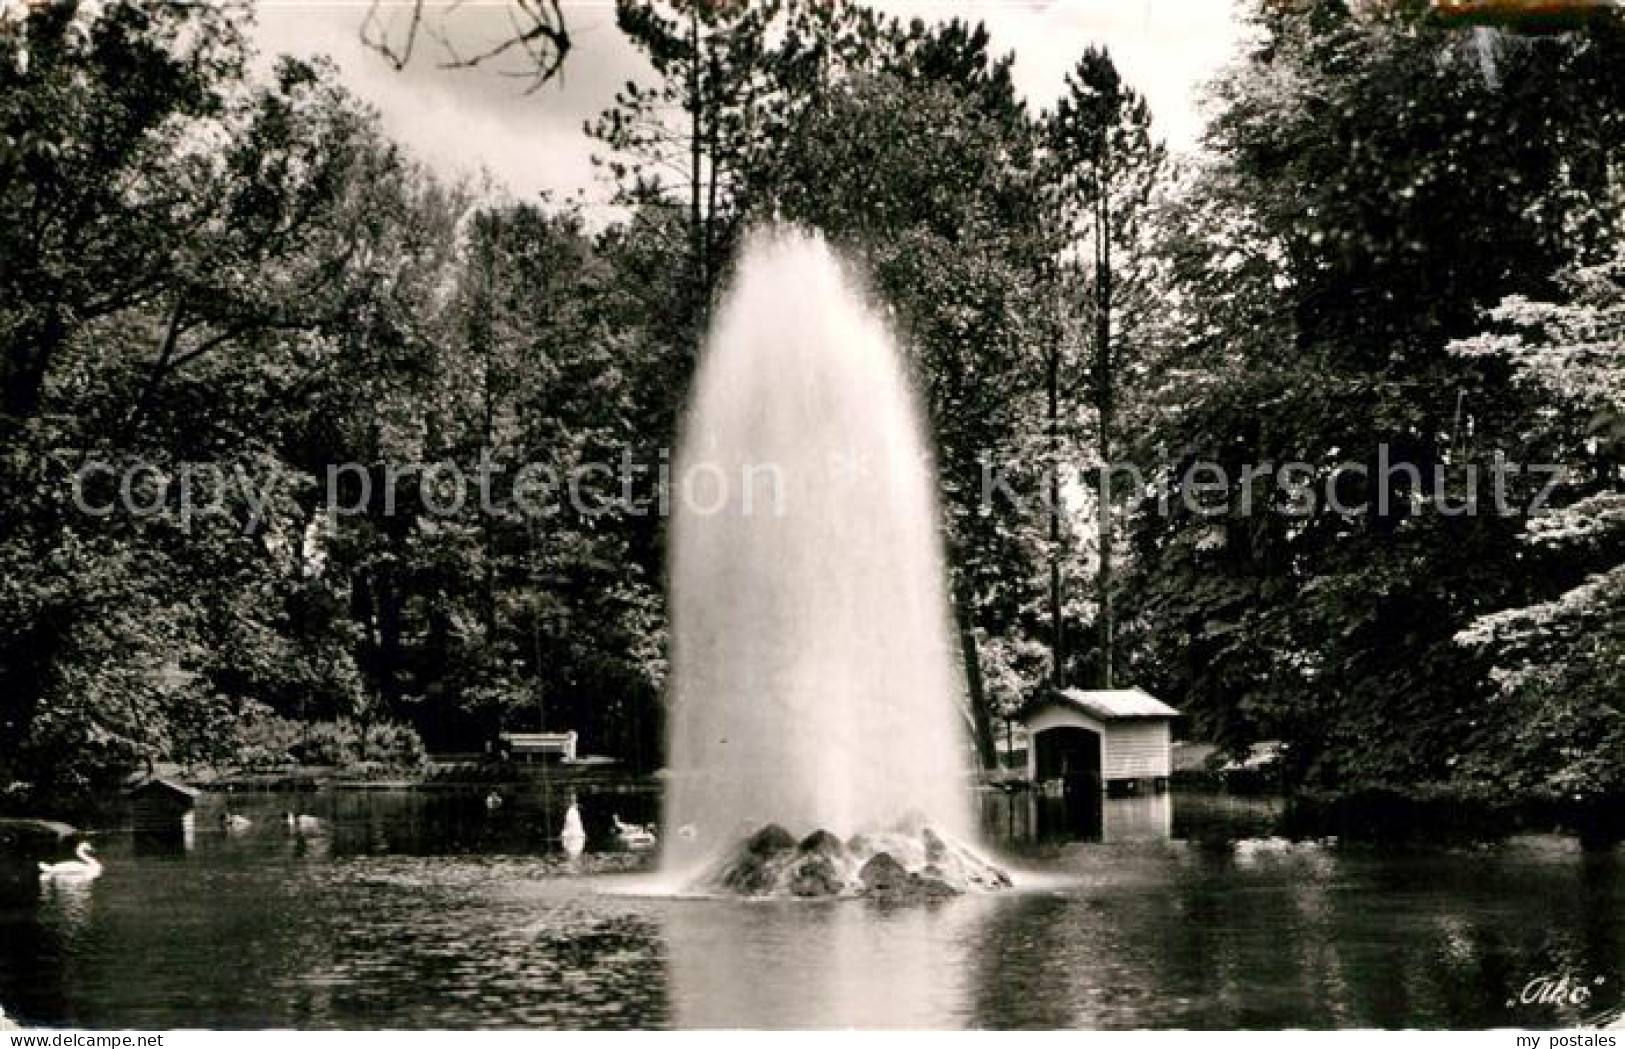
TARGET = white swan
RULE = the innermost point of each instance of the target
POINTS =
(302, 822)
(632, 835)
(574, 837)
(86, 866)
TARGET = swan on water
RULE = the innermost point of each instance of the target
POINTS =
(632, 835)
(574, 837)
(86, 866)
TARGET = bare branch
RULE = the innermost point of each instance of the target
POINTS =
(537, 35)
(375, 34)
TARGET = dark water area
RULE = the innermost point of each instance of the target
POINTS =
(426, 909)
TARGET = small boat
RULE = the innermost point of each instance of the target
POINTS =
(231, 822)
(574, 837)
(634, 835)
(84, 867)
(302, 824)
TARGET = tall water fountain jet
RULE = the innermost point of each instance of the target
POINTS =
(814, 679)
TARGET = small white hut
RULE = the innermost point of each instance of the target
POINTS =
(1119, 738)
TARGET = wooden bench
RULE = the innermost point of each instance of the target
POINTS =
(527, 746)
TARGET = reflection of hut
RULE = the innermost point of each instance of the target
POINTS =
(1117, 740)
(161, 806)
(1146, 817)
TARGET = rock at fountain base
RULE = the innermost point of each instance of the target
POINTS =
(882, 875)
(751, 871)
(890, 866)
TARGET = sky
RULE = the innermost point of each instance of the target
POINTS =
(465, 121)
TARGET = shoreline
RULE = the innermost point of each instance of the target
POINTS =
(1384, 816)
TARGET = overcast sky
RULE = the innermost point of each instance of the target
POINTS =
(463, 120)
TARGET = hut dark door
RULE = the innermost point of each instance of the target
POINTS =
(1072, 756)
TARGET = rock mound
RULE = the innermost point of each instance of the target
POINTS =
(896, 865)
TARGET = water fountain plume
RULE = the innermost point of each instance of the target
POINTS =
(814, 678)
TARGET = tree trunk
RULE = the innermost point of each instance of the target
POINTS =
(708, 240)
(696, 146)
(981, 719)
(28, 360)
(1057, 639)
(362, 610)
(390, 661)
(1106, 410)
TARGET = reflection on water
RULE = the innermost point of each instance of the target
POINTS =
(1035, 817)
(422, 910)
(1149, 817)
(64, 906)
(779, 963)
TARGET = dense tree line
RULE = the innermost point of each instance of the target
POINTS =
(360, 404)
(1375, 184)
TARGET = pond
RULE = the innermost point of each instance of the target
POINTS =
(424, 909)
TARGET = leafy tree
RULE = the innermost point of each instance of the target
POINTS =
(1368, 233)
(1560, 661)
(186, 254)
(955, 249)
(691, 137)
(542, 600)
(95, 101)
(1108, 165)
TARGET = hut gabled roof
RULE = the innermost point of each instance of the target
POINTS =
(158, 785)
(1116, 704)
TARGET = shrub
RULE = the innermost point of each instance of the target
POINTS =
(269, 741)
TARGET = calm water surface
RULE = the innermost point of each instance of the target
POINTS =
(423, 910)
